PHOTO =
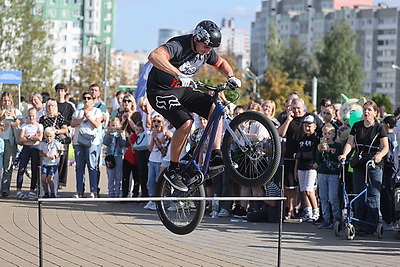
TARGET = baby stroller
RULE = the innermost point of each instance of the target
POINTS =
(348, 209)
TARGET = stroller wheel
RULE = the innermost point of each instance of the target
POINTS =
(350, 232)
(380, 230)
(337, 228)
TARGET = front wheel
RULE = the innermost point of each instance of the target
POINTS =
(180, 217)
(252, 154)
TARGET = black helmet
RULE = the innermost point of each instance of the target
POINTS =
(208, 33)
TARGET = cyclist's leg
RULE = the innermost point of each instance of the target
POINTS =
(201, 103)
(168, 104)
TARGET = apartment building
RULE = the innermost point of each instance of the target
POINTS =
(78, 28)
(377, 28)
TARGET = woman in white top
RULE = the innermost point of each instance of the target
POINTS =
(31, 135)
(10, 118)
(86, 121)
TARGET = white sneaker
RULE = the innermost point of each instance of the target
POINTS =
(20, 195)
(31, 195)
(223, 213)
(147, 206)
(153, 206)
(172, 207)
(388, 227)
(92, 195)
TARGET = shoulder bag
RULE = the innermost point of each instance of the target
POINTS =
(142, 141)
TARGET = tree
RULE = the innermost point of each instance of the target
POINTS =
(25, 44)
(277, 87)
(90, 69)
(383, 101)
(339, 64)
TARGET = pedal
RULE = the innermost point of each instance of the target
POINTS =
(212, 173)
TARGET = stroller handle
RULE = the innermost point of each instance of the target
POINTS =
(371, 163)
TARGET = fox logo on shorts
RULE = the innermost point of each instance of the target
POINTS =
(167, 102)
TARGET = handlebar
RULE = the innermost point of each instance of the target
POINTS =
(218, 88)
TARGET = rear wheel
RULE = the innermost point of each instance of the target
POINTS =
(380, 230)
(337, 228)
(183, 216)
(253, 158)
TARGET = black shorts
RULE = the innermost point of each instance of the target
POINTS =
(176, 104)
(290, 182)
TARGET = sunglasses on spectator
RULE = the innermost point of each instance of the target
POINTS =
(87, 98)
(158, 121)
(127, 101)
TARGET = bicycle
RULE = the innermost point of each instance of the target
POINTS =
(251, 153)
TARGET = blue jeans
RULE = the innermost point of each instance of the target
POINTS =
(86, 156)
(368, 211)
(328, 187)
(115, 177)
(154, 171)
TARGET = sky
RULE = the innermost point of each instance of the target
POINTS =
(138, 21)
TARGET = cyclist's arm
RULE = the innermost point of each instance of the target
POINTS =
(160, 59)
(224, 68)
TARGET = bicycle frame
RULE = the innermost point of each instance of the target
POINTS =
(213, 122)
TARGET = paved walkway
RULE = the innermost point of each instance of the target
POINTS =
(124, 234)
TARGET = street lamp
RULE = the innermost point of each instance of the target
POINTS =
(105, 81)
(396, 67)
(256, 82)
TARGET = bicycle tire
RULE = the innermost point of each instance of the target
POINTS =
(187, 214)
(253, 163)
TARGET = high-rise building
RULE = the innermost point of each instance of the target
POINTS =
(78, 28)
(309, 21)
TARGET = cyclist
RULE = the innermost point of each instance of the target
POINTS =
(171, 90)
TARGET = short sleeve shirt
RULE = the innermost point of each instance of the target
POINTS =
(181, 56)
(367, 139)
(57, 121)
(53, 148)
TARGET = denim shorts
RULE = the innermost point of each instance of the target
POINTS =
(49, 170)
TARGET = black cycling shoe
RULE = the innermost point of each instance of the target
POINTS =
(175, 179)
(216, 161)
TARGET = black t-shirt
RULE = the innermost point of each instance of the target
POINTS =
(369, 136)
(66, 109)
(295, 132)
(306, 152)
(181, 56)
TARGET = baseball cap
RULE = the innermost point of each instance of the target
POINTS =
(309, 119)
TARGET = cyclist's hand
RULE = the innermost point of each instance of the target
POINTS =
(234, 82)
(186, 81)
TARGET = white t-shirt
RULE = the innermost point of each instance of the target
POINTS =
(53, 148)
(155, 154)
(94, 113)
(32, 129)
(7, 133)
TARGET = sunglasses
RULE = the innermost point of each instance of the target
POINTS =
(158, 121)
(87, 98)
(127, 101)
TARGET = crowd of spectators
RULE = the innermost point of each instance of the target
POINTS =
(42, 131)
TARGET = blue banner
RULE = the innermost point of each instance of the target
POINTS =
(142, 82)
(10, 77)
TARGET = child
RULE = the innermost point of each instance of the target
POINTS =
(31, 135)
(328, 152)
(50, 150)
(1, 153)
(115, 140)
(305, 165)
(155, 158)
(390, 169)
